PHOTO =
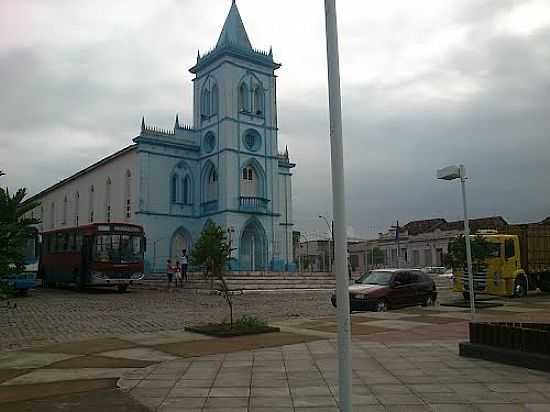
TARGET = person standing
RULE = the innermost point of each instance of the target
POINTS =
(169, 272)
(178, 274)
(184, 261)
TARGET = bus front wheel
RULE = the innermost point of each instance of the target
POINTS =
(122, 288)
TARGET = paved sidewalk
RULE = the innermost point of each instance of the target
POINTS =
(303, 377)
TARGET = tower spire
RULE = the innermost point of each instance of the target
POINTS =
(233, 31)
(142, 123)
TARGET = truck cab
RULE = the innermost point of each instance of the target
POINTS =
(501, 274)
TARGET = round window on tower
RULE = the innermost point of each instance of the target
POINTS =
(252, 140)
(209, 142)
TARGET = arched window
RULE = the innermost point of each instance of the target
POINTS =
(174, 188)
(205, 102)
(212, 185)
(186, 192)
(214, 100)
(258, 100)
(42, 225)
(65, 203)
(181, 185)
(76, 207)
(243, 98)
(108, 200)
(91, 204)
(249, 182)
(52, 215)
(128, 197)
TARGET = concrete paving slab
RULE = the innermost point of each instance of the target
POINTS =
(153, 339)
(56, 375)
(517, 309)
(397, 324)
(26, 360)
(145, 354)
(385, 315)
(456, 315)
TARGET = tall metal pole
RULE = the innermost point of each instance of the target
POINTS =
(467, 237)
(339, 207)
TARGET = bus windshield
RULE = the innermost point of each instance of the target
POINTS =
(118, 248)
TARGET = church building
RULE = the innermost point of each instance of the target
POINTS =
(224, 167)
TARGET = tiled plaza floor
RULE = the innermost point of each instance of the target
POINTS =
(303, 377)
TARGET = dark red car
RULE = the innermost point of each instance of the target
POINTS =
(384, 289)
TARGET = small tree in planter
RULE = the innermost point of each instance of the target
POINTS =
(213, 251)
(481, 248)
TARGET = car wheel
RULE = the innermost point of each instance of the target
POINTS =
(520, 287)
(122, 288)
(428, 300)
(381, 306)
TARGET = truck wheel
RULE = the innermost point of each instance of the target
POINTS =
(520, 287)
(544, 287)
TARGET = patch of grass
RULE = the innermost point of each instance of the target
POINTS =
(246, 325)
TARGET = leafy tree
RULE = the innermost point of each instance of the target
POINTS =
(15, 229)
(378, 255)
(212, 251)
(481, 248)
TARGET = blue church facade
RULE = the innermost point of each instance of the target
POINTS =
(225, 167)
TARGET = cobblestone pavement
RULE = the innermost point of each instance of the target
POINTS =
(53, 315)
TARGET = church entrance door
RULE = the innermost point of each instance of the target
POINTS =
(253, 247)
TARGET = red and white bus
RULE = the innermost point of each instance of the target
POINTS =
(99, 254)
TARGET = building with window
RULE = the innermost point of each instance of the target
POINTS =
(422, 243)
(224, 166)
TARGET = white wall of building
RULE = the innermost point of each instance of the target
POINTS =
(71, 203)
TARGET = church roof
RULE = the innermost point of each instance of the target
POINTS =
(233, 31)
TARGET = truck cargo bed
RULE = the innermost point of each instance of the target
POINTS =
(534, 240)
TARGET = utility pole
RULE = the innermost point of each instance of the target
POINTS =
(339, 207)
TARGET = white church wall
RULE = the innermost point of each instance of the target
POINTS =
(116, 170)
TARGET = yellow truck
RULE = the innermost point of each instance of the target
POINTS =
(520, 261)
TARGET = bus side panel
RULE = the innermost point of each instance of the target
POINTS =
(62, 266)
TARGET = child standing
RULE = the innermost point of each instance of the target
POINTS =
(169, 272)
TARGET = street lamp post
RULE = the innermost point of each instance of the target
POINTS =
(338, 207)
(331, 234)
(459, 172)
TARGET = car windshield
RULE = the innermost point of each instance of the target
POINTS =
(118, 248)
(375, 278)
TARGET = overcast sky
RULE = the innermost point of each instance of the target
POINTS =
(425, 84)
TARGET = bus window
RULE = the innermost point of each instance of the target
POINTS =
(78, 242)
(102, 248)
(51, 243)
(70, 242)
(60, 242)
(31, 250)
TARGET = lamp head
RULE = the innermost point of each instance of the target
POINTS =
(449, 173)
